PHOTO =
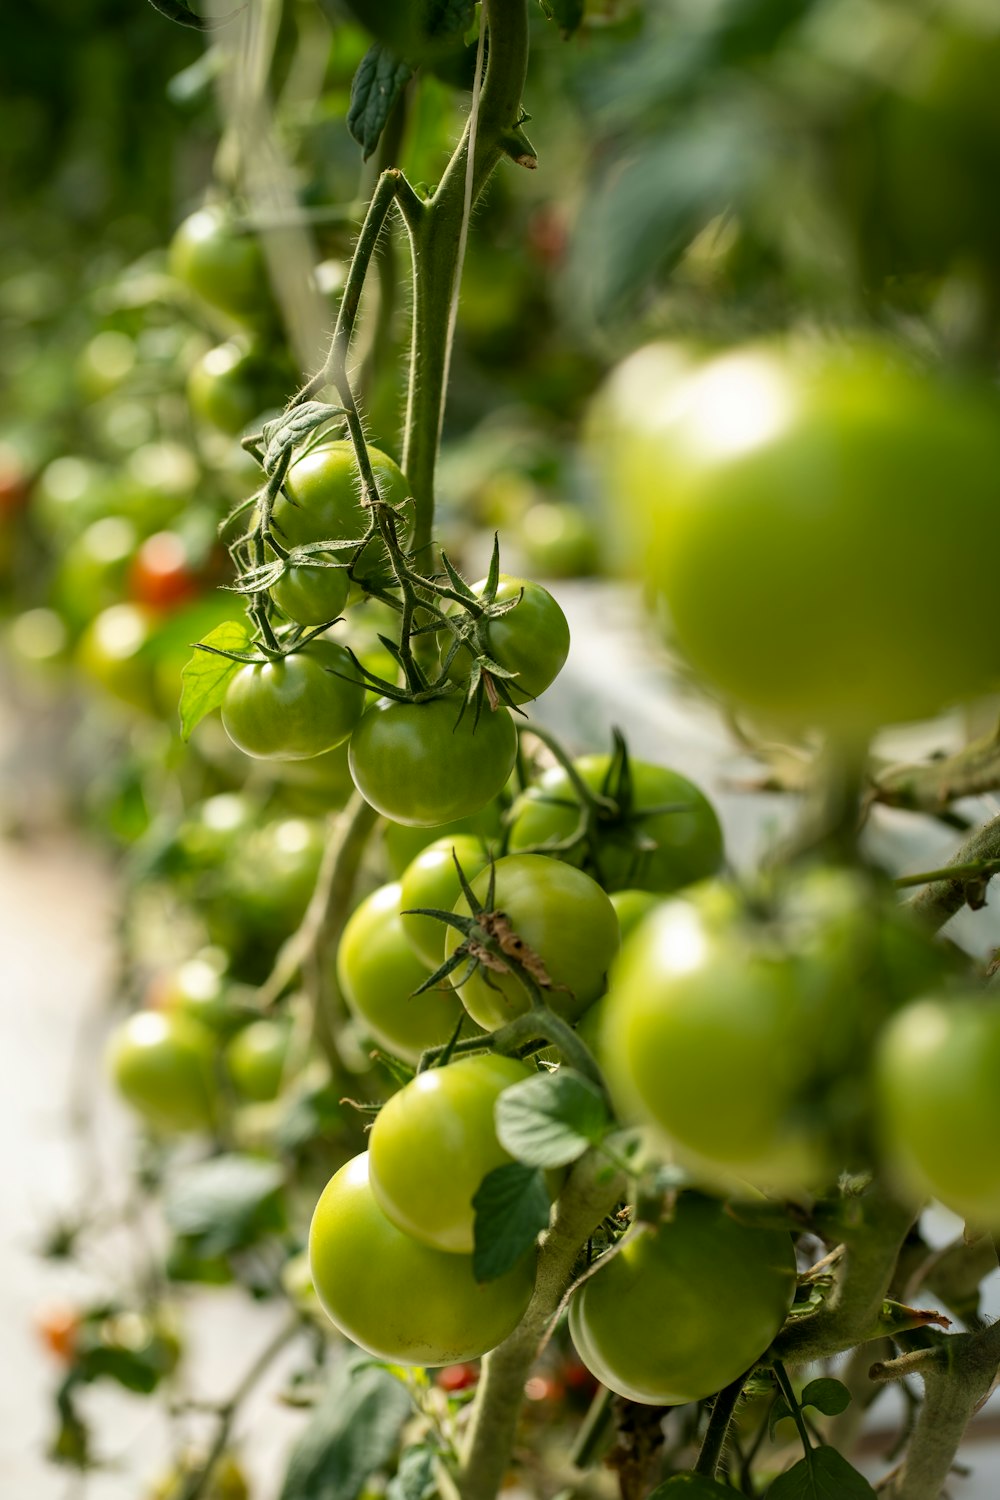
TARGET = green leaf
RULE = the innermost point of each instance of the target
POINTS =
(378, 83)
(551, 1119)
(227, 1202)
(829, 1396)
(512, 1208)
(353, 1432)
(691, 1487)
(205, 678)
(567, 14)
(414, 1479)
(823, 1474)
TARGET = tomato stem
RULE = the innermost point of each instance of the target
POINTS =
(723, 1410)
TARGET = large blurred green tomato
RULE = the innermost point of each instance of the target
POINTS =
(640, 846)
(397, 1298)
(224, 265)
(567, 924)
(161, 1064)
(323, 502)
(230, 385)
(938, 1066)
(378, 973)
(256, 1057)
(825, 524)
(684, 1309)
(114, 653)
(433, 1143)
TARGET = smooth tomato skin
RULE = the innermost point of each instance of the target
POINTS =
(688, 842)
(294, 707)
(630, 908)
(222, 265)
(255, 1059)
(532, 640)
(798, 537)
(322, 502)
(398, 1299)
(378, 972)
(564, 918)
(230, 385)
(684, 1309)
(419, 764)
(311, 596)
(433, 1143)
(432, 882)
(939, 1105)
(162, 1065)
(402, 843)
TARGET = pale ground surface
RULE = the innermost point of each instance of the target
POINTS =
(56, 913)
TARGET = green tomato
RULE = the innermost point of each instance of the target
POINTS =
(558, 540)
(311, 595)
(222, 264)
(230, 385)
(295, 706)
(563, 917)
(433, 1143)
(322, 503)
(420, 764)
(256, 1058)
(398, 1299)
(939, 1104)
(432, 882)
(378, 972)
(402, 842)
(798, 545)
(162, 1066)
(532, 640)
(112, 652)
(640, 848)
(270, 873)
(93, 569)
(630, 908)
(684, 1309)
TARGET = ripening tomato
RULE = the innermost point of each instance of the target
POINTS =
(433, 1143)
(665, 835)
(295, 706)
(161, 575)
(568, 925)
(378, 973)
(429, 763)
(397, 1298)
(686, 1308)
(797, 539)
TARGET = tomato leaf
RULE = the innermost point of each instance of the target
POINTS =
(512, 1208)
(829, 1396)
(414, 1479)
(691, 1487)
(227, 1202)
(353, 1433)
(378, 83)
(823, 1474)
(551, 1119)
(205, 678)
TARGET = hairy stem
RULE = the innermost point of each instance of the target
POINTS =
(589, 1195)
(935, 903)
(714, 1443)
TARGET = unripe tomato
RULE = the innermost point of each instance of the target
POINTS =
(311, 595)
(256, 1058)
(937, 1074)
(230, 385)
(432, 882)
(532, 640)
(219, 262)
(640, 848)
(162, 1065)
(323, 502)
(111, 653)
(419, 763)
(378, 973)
(227, 1482)
(684, 1309)
(558, 541)
(630, 908)
(397, 1298)
(798, 539)
(402, 842)
(433, 1143)
(567, 923)
(93, 568)
(295, 706)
